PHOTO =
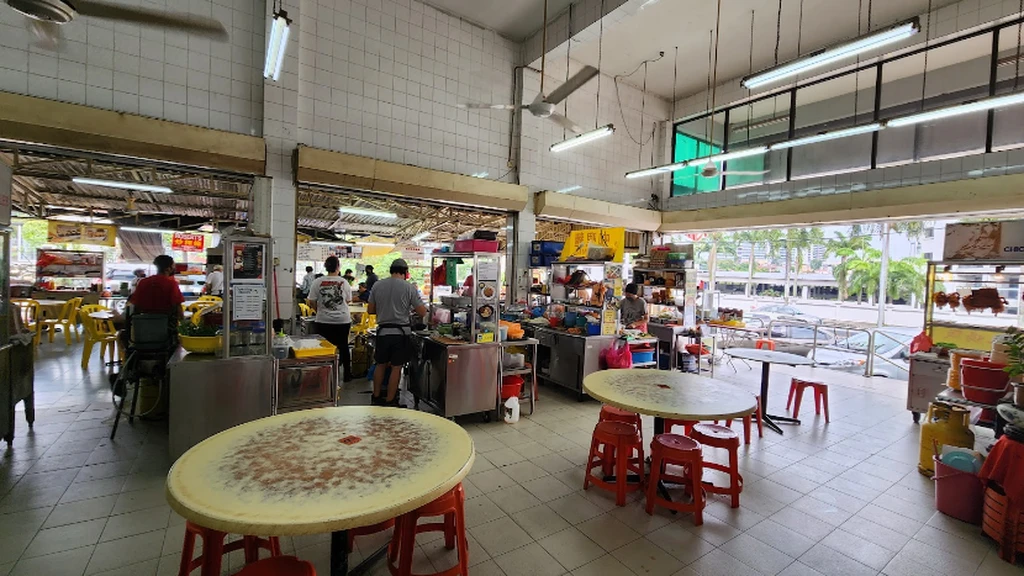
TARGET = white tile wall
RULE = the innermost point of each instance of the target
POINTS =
(599, 166)
(147, 71)
(381, 78)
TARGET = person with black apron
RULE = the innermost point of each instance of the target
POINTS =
(392, 299)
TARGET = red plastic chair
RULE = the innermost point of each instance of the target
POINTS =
(613, 414)
(616, 446)
(763, 344)
(756, 417)
(368, 530)
(722, 437)
(214, 549)
(279, 566)
(796, 393)
(680, 451)
(452, 507)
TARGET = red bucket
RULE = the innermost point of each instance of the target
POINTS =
(957, 493)
(511, 386)
(983, 381)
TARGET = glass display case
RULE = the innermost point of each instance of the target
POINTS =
(970, 302)
(468, 311)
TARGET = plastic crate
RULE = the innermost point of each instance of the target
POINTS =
(542, 259)
(546, 247)
(476, 245)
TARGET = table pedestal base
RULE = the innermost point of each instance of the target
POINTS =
(339, 556)
(770, 420)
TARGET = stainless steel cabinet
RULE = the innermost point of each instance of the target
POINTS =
(461, 378)
(566, 359)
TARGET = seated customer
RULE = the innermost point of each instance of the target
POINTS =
(159, 294)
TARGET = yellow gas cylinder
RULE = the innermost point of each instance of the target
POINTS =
(947, 425)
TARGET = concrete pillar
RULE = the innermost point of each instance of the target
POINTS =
(805, 292)
(523, 232)
(280, 121)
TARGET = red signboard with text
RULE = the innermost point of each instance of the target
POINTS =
(188, 242)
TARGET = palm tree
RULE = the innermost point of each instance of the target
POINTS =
(913, 230)
(844, 247)
(774, 242)
(799, 242)
(865, 270)
(753, 239)
(715, 244)
(907, 279)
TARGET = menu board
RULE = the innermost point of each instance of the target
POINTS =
(247, 302)
(188, 242)
(248, 262)
(68, 264)
(487, 269)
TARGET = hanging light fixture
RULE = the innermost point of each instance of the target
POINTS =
(643, 173)
(123, 185)
(826, 136)
(826, 56)
(367, 212)
(959, 110)
(579, 139)
(277, 45)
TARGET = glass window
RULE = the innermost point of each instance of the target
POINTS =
(957, 73)
(1008, 129)
(696, 139)
(839, 103)
(758, 123)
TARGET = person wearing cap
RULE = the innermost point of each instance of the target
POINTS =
(138, 274)
(393, 300)
(633, 309)
(215, 281)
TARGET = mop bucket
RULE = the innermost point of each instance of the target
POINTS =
(957, 493)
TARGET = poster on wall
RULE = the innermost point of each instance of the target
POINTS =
(188, 242)
(247, 262)
(68, 264)
(247, 302)
(985, 241)
(79, 233)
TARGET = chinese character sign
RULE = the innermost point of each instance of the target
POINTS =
(188, 242)
(595, 244)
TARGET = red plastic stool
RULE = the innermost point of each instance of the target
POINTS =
(796, 389)
(681, 451)
(722, 437)
(613, 414)
(368, 530)
(763, 344)
(214, 549)
(686, 424)
(452, 506)
(756, 416)
(618, 445)
(279, 566)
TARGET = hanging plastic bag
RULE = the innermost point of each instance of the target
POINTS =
(616, 356)
(920, 343)
(512, 410)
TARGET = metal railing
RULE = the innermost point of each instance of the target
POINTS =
(848, 328)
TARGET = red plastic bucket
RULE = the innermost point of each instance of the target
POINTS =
(511, 386)
(957, 493)
(982, 381)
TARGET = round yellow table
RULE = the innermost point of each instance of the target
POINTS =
(673, 395)
(316, 471)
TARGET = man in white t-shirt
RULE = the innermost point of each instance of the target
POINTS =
(215, 281)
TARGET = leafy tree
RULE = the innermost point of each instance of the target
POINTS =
(907, 279)
(865, 269)
(753, 239)
(844, 247)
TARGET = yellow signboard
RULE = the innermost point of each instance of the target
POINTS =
(79, 233)
(595, 244)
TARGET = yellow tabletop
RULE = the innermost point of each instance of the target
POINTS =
(672, 395)
(317, 471)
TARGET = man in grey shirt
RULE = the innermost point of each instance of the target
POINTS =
(633, 309)
(393, 300)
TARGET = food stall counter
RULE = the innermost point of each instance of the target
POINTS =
(455, 376)
(565, 359)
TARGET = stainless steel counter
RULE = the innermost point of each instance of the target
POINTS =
(566, 359)
(209, 395)
(459, 378)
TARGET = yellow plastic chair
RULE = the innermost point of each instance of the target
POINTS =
(210, 299)
(200, 304)
(305, 310)
(67, 321)
(31, 317)
(367, 323)
(100, 332)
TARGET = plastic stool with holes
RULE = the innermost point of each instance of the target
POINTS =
(796, 395)
(717, 436)
(451, 506)
(214, 549)
(617, 446)
(680, 451)
(279, 566)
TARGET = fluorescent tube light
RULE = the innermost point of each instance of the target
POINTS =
(381, 244)
(579, 139)
(655, 170)
(569, 189)
(480, 174)
(367, 212)
(122, 185)
(825, 136)
(948, 112)
(80, 219)
(329, 243)
(826, 56)
(728, 156)
(277, 45)
(144, 230)
(419, 237)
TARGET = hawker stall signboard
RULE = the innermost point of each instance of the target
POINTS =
(307, 252)
(187, 242)
(79, 233)
(980, 241)
(607, 244)
(68, 264)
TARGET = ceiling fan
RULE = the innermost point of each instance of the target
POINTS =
(544, 106)
(45, 17)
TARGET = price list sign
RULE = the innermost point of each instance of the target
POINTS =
(248, 262)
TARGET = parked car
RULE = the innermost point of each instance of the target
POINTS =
(782, 312)
(892, 353)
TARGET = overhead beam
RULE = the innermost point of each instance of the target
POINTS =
(29, 120)
(990, 195)
(599, 212)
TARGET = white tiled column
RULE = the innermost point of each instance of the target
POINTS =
(280, 114)
(525, 232)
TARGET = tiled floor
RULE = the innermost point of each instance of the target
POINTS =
(842, 499)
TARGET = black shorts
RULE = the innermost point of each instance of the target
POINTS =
(393, 349)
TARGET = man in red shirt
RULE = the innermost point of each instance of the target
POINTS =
(159, 294)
